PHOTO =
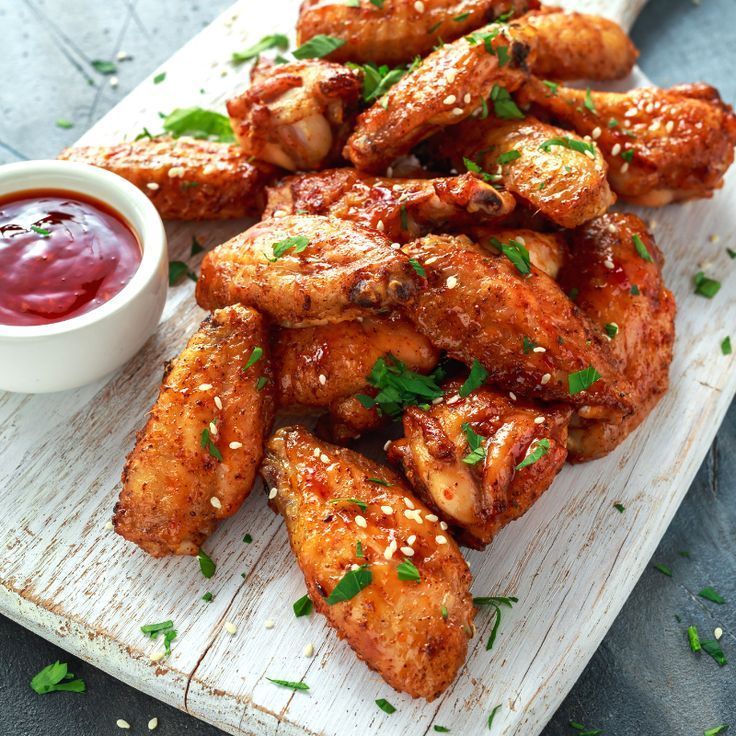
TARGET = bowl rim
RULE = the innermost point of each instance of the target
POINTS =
(122, 197)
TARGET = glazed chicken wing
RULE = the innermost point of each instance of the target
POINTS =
(522, 327)
(557, 174)
(403, 209)
(186, 179)
(400, 29)
(662, 145)
(195, 460)
(446, 88)
(305, 271)
(612, 257)
(518, 448)
(350, 519)
(296, 115)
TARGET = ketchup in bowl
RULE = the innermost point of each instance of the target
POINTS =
(61, 255)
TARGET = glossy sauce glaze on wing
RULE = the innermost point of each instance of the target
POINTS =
(465, 456)
(413, 632)
(195, 461)
(304, 271)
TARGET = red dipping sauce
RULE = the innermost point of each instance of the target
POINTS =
(61, 255)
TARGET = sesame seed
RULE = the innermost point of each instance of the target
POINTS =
(596, 133)
(309, 650)
(235, 445)
(317, 452)
(520, 239)
(467, 98)
(616, 149)
(669, 126)
(324, 458)
(714, 238)
(407, 551)
(449, 100)
(414, 515)
(590, 154)
(440, 539)
(419, 6)
(512, 396)
(380, 226)
(652, 224)
(153, 724)
(612, 228)
(231, 628)
(152, 186)
(649, 108)
(114, 81)
(539, 420)
(443, 526)
(545, 379)
(539, 349)
(654, 126)
(625, 167)
(322, 378)
(438, 400)
(176, 171)
(121, 55)
(451, 282)
(360, 521)
(608, 263)
(354, 567)
(109, 526)
(457, 111)
(450, 75)
(272, 494)
(213, 429)
(718, 632)
(158, 656)
(387, 510)
(218, 402)
(396, 246)
(388, 553)
(204, 387)
(120, 723)
(386, 445)
(268, 623)
(409, 503)
(410, 541)
(216, 502)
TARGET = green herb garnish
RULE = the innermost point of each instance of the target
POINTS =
(205, 440)
(710, 595)
(288, 683)
(350, 585)
(247, 539)
(56, 678)
(272, 41)
(706, 287)
(414, 263)
(379, 481)
(715, 730)
(588, 104)
(619, 507)
(302, 607)
(159, 78)
(693, 638)
(641, 249)
(551, 86)
(318, 46)
(104, 67)
(207, 597)
(196, 122)
(64, 123)
(42, 231)
(297, 242)
(492, 716)
(407, 571)
(566, 142)
(713, 648)
(508, 157)
(206, 564)
(196, 247)
(362, 504)
(255, 356)
(726, 346)
(475, 442)
(516, 253)
(611, 329)
(359, 549)
(503, 104)
(582, 380)
(541, 448)
(476, 378)
(663, 569)
(385, 706)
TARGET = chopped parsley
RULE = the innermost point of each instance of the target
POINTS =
(619, 507)
(377, 3)
(414, 263)
(493, 715)
(663, 569)
(207, 597)
(379, 481)
(206, 564)
(566, 142)
(205, 440)
(516, 253)
(64, 123)
(297, 242)
(726, 346)
(588, 104)
(713, 648)
(476, 378)
(56, 678)
(177, 269)
(247, 539)
(731, 253)
(611, 329)
(289, 684)
(582, 380)
(693, 638)
(255, 356)
(377, 80)
(628, 155)
(385, 706)
(272, 41)
(527, 345)
(159, 78)
(475, 168)
(541, 448)
(715, 730)
(443, 612)
(641, 249)
(508, 157)
(196, 247)
(404, 217)
(359, 549)
(503, 104)
(104, 67)
(302, 607)
(318, 46)
(475, 442)
(196, 122)
(362, 504)
(584, 730)
(441, 729)
(460, 18)
(706, 287)
(710, 595)
(551, 86)
(634, 290)
(407, 571)
(166, 628)
(42, 231)
(350, 585)
(261, 382)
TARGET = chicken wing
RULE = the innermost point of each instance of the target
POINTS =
(304, 271)
(521, 326)
(398, 30)
(616, 270)
(195, 460)
(186, 179)
(351, 524)
(446, 88)
(403, 209)
(661, 145)
(297, 115)
(555, 173)
(517, 449)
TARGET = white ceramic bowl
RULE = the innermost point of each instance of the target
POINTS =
(71, 353)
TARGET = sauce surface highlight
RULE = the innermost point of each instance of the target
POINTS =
(61, 255)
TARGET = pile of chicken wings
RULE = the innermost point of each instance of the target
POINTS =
(439, 257)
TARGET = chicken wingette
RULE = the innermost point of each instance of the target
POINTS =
(195, 461)
(376, 561)
(304, 271)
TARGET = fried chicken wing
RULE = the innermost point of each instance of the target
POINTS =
(446, 88)
(297, 115)
(186, 179)
(538, 163)
(661, 145)
(305, 271)
(480, 491)
(403, 209)
(400, 29)
(195, 460)
(395, 625)
(524, 330)
(605, 267)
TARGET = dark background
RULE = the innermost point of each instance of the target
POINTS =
(643, 680)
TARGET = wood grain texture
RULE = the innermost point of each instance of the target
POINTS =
(572, 561)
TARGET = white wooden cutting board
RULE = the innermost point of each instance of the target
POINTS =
(572, 561)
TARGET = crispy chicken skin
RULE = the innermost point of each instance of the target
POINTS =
(445, 89)
(397, 31)
(395, 626)
(662, 145)
(645, 321)
(297, 115)
(579, 46)
(478, 306)
(186, 179)
(479, 499)
(567, 186)
(345, 271)
(170, 479)
(403, 209)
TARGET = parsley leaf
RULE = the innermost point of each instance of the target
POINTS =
(407, 571)
(205, 440)
(247, 539)
(302, 607)
(619, 507)
(588, 104)
(255, 356)
(476, 378)
(710, 595)
(208, 597)
(196, 122)
(527, 345)
(541, 448)
(475, 442)
(104, 67)
(42, 231)
(206, 564)
(64, 123)
(385, 706)
(318, 46)
(582, 380)
(414, 263)
(641, 249)
(359, 549)
(153, 630)
(493, 715)
(715, 730)
(350, 585)
(508, 157)
(551, 86)
(196, 247)
(363, 505)
(516, 253)
(177, 269)
(713, 648)
(289, 684)
(56, 678)
(693, 638)
(726, 346)
(441, 729)
(706, 287)
(566, 142)
(584, 731)
(272, 41)
(663, 569)
(611, 329)
(475, 168)
(159, 78)
(297, 242)
(503, 104)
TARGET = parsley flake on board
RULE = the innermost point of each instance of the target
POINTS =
(493, 715)
(475, 442)
(289, 684)
(302, 607)
(407, 571)
(297, 242)
(584, 731)
(385, 706)
(503, 104)
(205, 440)
(318, 46)
(641, 249)
(196, 247)
(541, 448)
(56, 678)
(255, 356)
(206, 564)
(476, 378)
(166, 628)
(350, 585)
(706, 287)
(496, 602)
(713, 648)
(247, 539)
(715, 730)
(272, 41)
(582, 380)
(566, 142)
(362, 504)
(726, 346)
(196, 122)
(619, 507)
(159, 78)
(64, 123)
(207, 597)
(693, 638)
(103, 67)
(663, 569)
(710, 595)
(177, 269)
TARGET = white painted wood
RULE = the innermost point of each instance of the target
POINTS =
(572, 561)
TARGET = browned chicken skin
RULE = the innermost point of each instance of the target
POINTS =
(478, 306)
(396, 626)
(296, 115)
(403, 209)
(605, 266)
(480, 498)
(400, 29)
(332, 270)
(186, 179)
(662, 145)
(450, 84)
(176, 485)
